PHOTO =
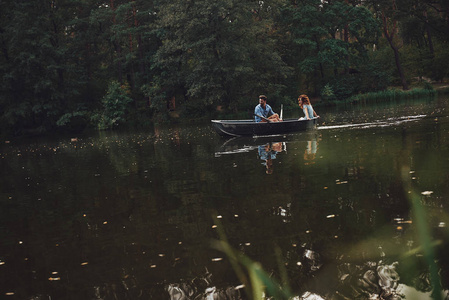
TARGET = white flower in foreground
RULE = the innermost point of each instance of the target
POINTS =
(427, 193)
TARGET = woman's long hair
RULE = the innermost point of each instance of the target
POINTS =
(305, 100)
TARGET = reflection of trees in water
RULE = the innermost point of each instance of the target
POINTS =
(160, 205)
(369, 280)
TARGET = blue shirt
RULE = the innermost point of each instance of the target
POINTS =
(264, 154)
(309, 109)
(262, 112)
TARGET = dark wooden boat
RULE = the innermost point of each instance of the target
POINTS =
(251, 128)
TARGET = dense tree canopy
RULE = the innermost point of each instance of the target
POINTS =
(64, 62)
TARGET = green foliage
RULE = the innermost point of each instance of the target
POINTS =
(392, 95)
(74, 121)
(327, 38)
(439, 66)
(344, 86)
(327, 94)
(374, 77)
(115, 106)
(427, 86)
(57, 59)
(218, 53)
(257, 281)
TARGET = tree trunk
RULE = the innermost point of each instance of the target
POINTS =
(399, 66)
(429, 35)
(117, 49)
(346, 39)
(389, 35)
(139, 43)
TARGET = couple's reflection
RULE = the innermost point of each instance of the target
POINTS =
(268, 152)
(268, 148)
(310, 152)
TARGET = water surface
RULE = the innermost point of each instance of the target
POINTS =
(355, 209)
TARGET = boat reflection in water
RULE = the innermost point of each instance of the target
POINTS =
(268, 147)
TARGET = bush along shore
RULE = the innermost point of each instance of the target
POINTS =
(391, 94)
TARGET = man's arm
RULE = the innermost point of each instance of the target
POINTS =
(257, 111)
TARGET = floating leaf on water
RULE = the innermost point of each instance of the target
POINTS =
(152, 266)
(399, 228)
(411, 172)
(9, 294)
(405, 222)
(330, 216)
(299, 263)
(54, 273)
(2, 263)
(308, 231)
(325, 187)
(442, 224)
(161, 254)
(54, 278)
(247, 244)
(427, 193)
(236, 216)
(84, 263)
(214, 226)
(105, 222)
(219, 217)
(239, 287)
(217, 259)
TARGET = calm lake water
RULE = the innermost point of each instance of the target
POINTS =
(357, 209)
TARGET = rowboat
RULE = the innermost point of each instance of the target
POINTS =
(252, 128)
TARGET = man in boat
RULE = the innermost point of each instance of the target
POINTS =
(264, 110)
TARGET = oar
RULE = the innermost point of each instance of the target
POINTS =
(266, 119)
(282, 112)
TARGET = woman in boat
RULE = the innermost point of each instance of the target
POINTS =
(309, 112)
(264, 110)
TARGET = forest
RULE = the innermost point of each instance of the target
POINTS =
(67, 65)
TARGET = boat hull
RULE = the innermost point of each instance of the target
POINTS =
(251, 128)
